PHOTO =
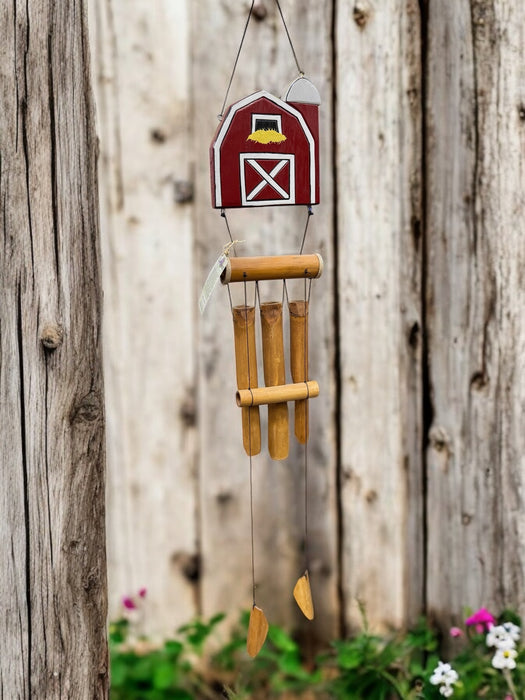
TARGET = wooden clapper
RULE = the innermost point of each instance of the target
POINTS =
(265, 152)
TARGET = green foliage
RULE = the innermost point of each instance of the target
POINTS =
(278, 668)
(379, 668)
(364, 666)
(141, 671)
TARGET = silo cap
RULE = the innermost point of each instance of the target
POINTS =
(303, 91)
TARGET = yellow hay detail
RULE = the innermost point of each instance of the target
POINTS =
(266, 136)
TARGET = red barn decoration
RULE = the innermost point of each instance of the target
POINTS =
(266, 150)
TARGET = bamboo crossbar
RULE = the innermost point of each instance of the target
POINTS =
(266, 395)
(272, 267)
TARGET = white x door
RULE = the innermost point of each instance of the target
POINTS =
(267, 178)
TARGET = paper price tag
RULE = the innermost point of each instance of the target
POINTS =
(211, 281)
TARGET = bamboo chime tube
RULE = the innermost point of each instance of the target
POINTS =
(246, 366)
(274, 375)
(272, 267)
(277, 394)
(299, 362)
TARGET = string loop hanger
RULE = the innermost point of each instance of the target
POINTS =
(250, 13)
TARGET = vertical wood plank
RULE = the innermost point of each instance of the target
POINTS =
(378, 153)
(53, 574)
(266, 63)
(475, 299)
(142, 52)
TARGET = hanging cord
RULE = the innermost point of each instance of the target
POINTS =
(250, 442)
(223, 214)
(310, 214)
(307, 312)
(232, 247)
(290, 40)
(236, 59)
(299, 70)
(305, 341)
(285, 293)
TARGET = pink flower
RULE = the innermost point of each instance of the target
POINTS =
(482, 620)
(128, 603)
(142, 592)
(456, 632)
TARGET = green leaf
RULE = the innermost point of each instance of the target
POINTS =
(289, 662)
(118, 672)
(163, 675)
(349, 656)
(281, 639)
(179, 694)
(173, 648)
(214, 621)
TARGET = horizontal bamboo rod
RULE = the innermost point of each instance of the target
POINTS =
(272, 267)
(277, 394)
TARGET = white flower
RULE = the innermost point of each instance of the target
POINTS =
(446, 690)
(444, 676)
(513, 630)
(504, 658)
(501, 637)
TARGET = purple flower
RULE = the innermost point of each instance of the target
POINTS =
(128, 603)
(483, 620)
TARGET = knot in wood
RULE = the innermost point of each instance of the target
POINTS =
(188, 564)
(183, 191)
(88, 409)
(362, 13)
(439, 439)
(157, 135)
(259, 11)
(51, 336)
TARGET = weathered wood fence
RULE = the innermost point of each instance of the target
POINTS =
(53, 599)
(417, 454)
(417, 459)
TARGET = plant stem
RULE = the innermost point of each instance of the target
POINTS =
(388, 677)
(510, 683)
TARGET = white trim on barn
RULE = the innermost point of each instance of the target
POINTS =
(226, 125)
(276, 117)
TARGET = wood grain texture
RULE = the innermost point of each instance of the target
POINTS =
(378, 161)
(53, 603)
(142, 90)
(266, 63)
(475, 298)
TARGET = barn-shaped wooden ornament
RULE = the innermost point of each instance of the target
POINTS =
(265, 152)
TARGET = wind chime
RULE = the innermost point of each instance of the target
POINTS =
(265, 152)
